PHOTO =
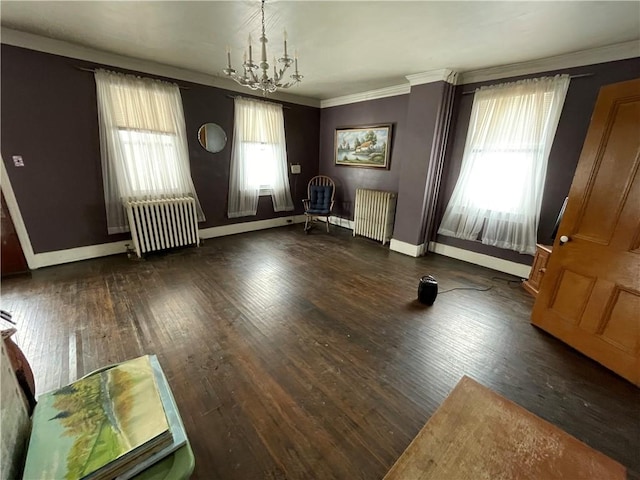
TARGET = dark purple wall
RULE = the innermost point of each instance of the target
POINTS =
(210, 171)
(564, 155)
(49, 116)
(391, 110)
(422, 117)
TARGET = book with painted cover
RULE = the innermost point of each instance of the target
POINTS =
(175, 424)
(104, 425)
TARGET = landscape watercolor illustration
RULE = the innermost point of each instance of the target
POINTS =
(97, 420)
(363, 146)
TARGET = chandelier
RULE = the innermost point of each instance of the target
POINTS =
(256, 76)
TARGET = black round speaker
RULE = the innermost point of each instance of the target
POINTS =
(427, 290)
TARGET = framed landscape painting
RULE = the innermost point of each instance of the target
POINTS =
(363, 146)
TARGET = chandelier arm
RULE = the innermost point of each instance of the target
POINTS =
(254, 78)
(282, 71)
(287, 85)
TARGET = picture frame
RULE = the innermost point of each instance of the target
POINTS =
(365, 147)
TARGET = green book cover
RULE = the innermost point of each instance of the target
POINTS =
(98, 424)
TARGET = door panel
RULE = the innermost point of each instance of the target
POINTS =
(620, 318)
(590, 295)
(602, 205)
(571, 295)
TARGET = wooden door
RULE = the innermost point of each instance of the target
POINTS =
(12, 259)
(590, 295)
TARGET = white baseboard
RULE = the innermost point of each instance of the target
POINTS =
(59, 257)
(244, 227)
(505, 266)
(406, 248)
(341, 222)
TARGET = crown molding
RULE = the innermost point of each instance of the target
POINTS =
(368, 95)
(445, 74)
(610, 53)
(17, 38)
(442, 75)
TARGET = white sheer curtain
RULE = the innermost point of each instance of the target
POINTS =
(258, 158)
(143, 143)
(499, 190)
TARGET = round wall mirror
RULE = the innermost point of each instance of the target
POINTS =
(212, 137)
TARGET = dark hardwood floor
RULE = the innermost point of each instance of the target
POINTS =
(308, 357)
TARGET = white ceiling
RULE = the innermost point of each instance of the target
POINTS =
(345, 47)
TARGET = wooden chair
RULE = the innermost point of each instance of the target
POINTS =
(319, 201)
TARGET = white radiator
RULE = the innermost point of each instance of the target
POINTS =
(160, 224)
(374, 214)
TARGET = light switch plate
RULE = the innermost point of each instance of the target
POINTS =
(295, 168)
(18, 161)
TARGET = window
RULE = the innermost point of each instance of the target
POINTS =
(161, 149)
(258, 158)
(261, 165)
(143, 143)
(498, 194)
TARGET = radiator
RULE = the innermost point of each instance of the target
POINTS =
(374, 214)
(160, 224)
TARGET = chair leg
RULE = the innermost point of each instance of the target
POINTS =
(306, 224)
(327, 224)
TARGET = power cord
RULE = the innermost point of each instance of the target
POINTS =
(465, 288)
(509, 283)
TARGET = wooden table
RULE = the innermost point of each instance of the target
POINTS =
(477, 434)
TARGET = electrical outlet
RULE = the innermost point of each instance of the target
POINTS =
(295, 168)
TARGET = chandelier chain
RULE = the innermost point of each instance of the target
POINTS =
(262, 11)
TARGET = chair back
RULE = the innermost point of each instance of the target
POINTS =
(320, 191)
